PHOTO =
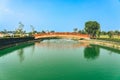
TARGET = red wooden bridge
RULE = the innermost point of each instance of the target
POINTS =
(68, 35)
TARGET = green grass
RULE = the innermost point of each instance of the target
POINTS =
(115, 38)
(106, 36)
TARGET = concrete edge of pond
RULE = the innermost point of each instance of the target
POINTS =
(109, 44)
(15, 44)
(19, 43)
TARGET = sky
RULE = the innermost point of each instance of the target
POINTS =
(59, 15)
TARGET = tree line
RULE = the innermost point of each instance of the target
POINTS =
(92, 28)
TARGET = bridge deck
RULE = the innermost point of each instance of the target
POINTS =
(62, 35)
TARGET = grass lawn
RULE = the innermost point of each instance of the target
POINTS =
(115, 38)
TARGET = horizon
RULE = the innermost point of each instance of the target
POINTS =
(59, 15)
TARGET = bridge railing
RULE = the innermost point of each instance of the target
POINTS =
(61, 33)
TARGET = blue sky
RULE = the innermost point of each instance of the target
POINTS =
(59, 15)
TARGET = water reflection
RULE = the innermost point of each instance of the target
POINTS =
(12, 49)
(112, 50)
(92, 52)
(32, 50)
(21, 55)
(61, 44)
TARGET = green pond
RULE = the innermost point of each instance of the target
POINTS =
(59, 59)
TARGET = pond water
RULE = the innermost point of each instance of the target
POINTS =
(59, 60)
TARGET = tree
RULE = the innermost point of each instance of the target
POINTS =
(91, 52)
(110, 34)
(92, 28)
(19, 30)
(33, 29)
(43, 31)
(82, 32)
(5, 31)
(52, 31)
(98, 34)
(103, 33)
(75, 29)
(117, 32)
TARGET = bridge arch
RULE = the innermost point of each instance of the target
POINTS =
(67, 35)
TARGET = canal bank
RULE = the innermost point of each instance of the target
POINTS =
(8, 42)
(110, 44)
